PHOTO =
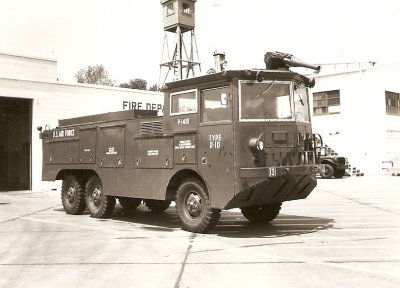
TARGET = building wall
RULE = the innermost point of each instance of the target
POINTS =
(360, 130)
(30, 78)
(27, 68)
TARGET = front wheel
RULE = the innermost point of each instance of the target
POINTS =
(194, 207)
(339, 173)
(328, 173)
(262, 214)
(98, 204)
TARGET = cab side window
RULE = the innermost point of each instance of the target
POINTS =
(216, 104)
(184, 102)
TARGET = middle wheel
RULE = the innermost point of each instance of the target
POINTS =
(98, 204)
(194, 207)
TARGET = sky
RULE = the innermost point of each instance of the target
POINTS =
(126, 36)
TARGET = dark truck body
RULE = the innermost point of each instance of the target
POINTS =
(334, 166)
(205, 152)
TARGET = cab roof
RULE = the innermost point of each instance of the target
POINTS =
(253, 74)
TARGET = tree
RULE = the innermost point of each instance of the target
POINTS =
(96, 74)
(137, 83)
(154, 87)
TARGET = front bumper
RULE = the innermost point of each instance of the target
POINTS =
(262, 172)
(277, 184)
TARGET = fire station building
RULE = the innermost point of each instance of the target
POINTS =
(31, 96)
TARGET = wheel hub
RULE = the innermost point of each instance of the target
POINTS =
(96, 195)
(70, 194)
(193, 204)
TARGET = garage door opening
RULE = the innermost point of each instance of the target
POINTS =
(15, 143)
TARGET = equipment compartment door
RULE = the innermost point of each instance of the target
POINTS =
(87, 145)
(112, 146)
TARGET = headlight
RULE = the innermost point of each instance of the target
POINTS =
(256, 145)
(260, 145)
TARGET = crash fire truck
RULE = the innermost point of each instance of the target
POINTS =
(230, 139)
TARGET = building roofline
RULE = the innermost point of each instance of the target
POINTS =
(28, 57)
(89, 86)
(354, 70)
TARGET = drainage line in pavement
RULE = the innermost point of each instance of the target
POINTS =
(178, 281)
(29, 214)
(362, 203)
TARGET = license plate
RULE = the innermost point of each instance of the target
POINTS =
(272, 172)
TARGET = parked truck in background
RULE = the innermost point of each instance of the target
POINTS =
(333, 166)
(232, 139)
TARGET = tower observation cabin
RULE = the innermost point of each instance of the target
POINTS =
(179, 21)
(178, 13)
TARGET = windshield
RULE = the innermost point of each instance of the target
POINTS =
(265, 100)
(301, 104)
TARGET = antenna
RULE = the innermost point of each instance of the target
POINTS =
(179, 21)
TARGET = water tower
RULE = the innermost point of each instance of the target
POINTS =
(179, 21)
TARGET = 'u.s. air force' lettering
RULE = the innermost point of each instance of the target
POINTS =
(63, 133)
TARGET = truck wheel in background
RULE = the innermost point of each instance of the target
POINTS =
(157, 206)
(262, 214)
(328, 172)
(339, 173)
(129, 203)
(98, 204)
(72, 195)
(194, 207)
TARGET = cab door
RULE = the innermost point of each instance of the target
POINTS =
(215, 144)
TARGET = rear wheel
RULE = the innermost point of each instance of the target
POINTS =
(72, 195)
(328, 173)
(157, 206)
(98, 204)
(194, 207)
(262, 214)
(129, 203)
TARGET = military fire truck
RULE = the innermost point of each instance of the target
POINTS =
(231, 139)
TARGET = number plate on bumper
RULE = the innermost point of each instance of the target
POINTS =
(262, 172)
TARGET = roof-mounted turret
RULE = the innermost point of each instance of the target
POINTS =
(283, 61)
(279, 60)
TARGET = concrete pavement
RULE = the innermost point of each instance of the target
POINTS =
(347, 233)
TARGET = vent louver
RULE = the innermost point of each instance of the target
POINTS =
(153, 127)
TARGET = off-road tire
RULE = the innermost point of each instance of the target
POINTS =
(73, 195)
(339, 173)
(98, 204)
(129, 203)
(157, 206)
(194, 207)
(262, 214)
(328, 172)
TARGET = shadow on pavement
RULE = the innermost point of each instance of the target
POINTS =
(232, 224)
